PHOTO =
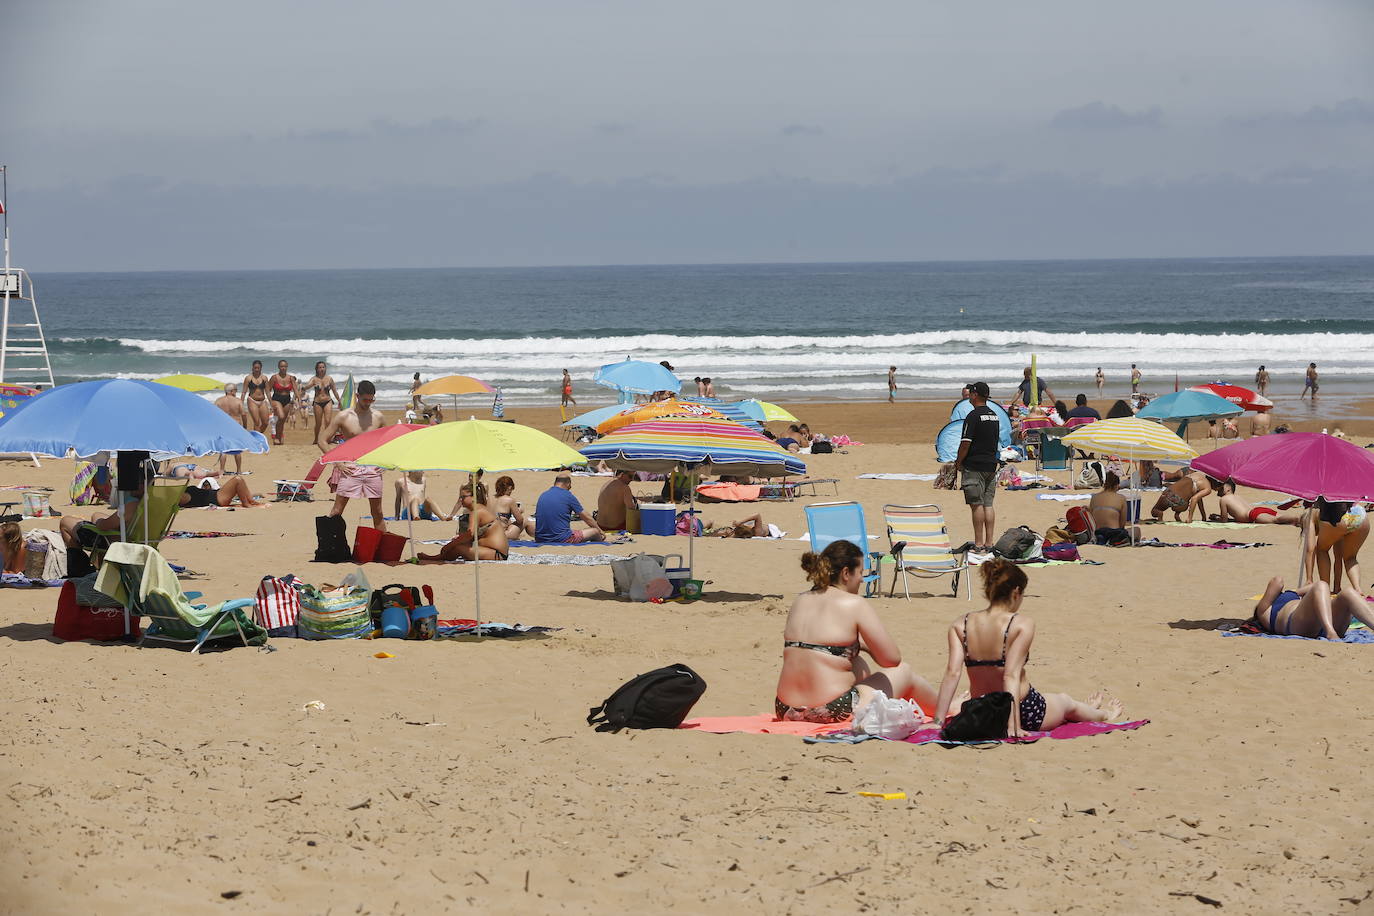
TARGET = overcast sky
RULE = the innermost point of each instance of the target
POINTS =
(164, 134)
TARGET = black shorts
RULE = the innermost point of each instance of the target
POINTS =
(89, 537)
(282, 397)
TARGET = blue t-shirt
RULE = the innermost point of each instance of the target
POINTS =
(551, 513)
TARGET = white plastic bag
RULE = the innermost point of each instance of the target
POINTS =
(885, 717)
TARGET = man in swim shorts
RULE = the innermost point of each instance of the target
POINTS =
(978, 461)
(229, 403)
(614, 500)
(1310, 382)
(354, 481)
(553, 512)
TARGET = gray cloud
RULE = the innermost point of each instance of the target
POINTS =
(612, 128)
(381, 128)
(1100, 116)
(802, 130)
(1349, 111)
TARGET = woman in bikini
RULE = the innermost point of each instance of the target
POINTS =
(823, 677)
(752, 527)
(491, 532)
(255, 397)
(285, 391)
(1310, 610)
(323, 396)
(1339, 531)
(509, 510)
(994, 645)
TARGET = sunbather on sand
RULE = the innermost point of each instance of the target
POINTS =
(752, 527)
(491, 532)
(1310, 610)
(994, 645)
(823, 675)
(1236, 509)
(509, 509)
(412, 501)
(230, 489)
(13, 548)
(1341, 530)
(1108, 508)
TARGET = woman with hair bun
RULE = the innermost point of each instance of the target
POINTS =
(823, 677)
(994, 645)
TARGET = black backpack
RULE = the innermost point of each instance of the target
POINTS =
(1015, 543)
(822, 447)
(980, 719)
(659, 699)
(331, 540)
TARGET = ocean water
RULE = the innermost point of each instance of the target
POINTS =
(781, 332)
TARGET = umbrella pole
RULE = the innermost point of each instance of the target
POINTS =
(691, 525)
(123, 531)
(1302, 553)
(410, 529)
(476, 552)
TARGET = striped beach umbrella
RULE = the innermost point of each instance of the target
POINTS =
(1131, 438)
(639, 413)
(721, 445)
(735, 410)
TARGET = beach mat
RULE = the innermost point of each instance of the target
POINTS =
(1062, 733)
(1355, 636)
(452, 629)
(896, 477)
(762, 724)
(182, 535)
(540, 545)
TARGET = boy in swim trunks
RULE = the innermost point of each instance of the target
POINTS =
(354, 481)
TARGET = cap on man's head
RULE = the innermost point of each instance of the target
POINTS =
(981, 389)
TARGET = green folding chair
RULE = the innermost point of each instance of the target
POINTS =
(150, 524)
(139, 577)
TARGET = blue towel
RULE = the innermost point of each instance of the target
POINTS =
(622, 540)
(1353, 635)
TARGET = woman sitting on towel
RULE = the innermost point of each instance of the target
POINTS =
(823, 676)
(12, 547)
(1341, 529)
(509, 509)
(491, 531)
(994, 645)
(1310, 610)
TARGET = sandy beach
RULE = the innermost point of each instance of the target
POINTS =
(462, 776)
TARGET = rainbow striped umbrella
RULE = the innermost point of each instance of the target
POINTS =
(640, 413)
(723, 446)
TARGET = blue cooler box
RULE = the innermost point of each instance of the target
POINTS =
(658, 518)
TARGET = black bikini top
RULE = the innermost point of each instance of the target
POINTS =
(850, 651)
(987, 662)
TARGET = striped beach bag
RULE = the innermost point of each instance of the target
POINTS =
(334, 613)
(279, 605)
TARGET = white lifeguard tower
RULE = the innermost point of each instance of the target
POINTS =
(23, 349)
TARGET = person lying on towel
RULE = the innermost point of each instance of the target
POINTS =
(1310, 610)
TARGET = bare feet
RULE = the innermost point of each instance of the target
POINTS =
(1108, 704)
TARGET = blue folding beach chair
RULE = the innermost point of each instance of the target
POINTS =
(844, 521)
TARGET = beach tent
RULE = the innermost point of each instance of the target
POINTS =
(962, 409)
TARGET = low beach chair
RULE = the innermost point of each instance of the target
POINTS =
(137, 576)
(844, 521)
(919, 542)
(151, 522)
(1053, 454)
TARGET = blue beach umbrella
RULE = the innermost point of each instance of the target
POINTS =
(120, 415)
(594, 418)
(962, 409)
(637, 376)
(1186, 405)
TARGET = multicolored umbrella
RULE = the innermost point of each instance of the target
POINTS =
(764, 412)
(13, 397)
(374, 438)
(734, 410)
(637, 376)
(1247, 399)
(1305, 465)
(672, 407)
(721, 445)
(1131, 438)
(346, 396)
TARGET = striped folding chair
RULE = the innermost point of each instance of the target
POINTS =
(919, 541)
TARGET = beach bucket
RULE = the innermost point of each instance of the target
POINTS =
(658, 518)
(36, 505)
(424, 621)
(395, 622)
(677, 573)
(691, 589)
(365, 543)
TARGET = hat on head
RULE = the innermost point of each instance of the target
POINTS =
(981, 389)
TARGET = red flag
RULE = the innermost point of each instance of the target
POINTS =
(2, 206)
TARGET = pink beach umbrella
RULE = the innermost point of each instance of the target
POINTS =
(1306, 465)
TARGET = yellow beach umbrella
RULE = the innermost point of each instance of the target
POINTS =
(1131, 438)
(191, 382)
(772, 413)
(454, 385)
(473, 445)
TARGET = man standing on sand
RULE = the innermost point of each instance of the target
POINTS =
(613, 501)
(347, 480)
(229, 403)
(977, 460)
(1262, 380)
(1135, 379)
(1310, 384)
(891, 384)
